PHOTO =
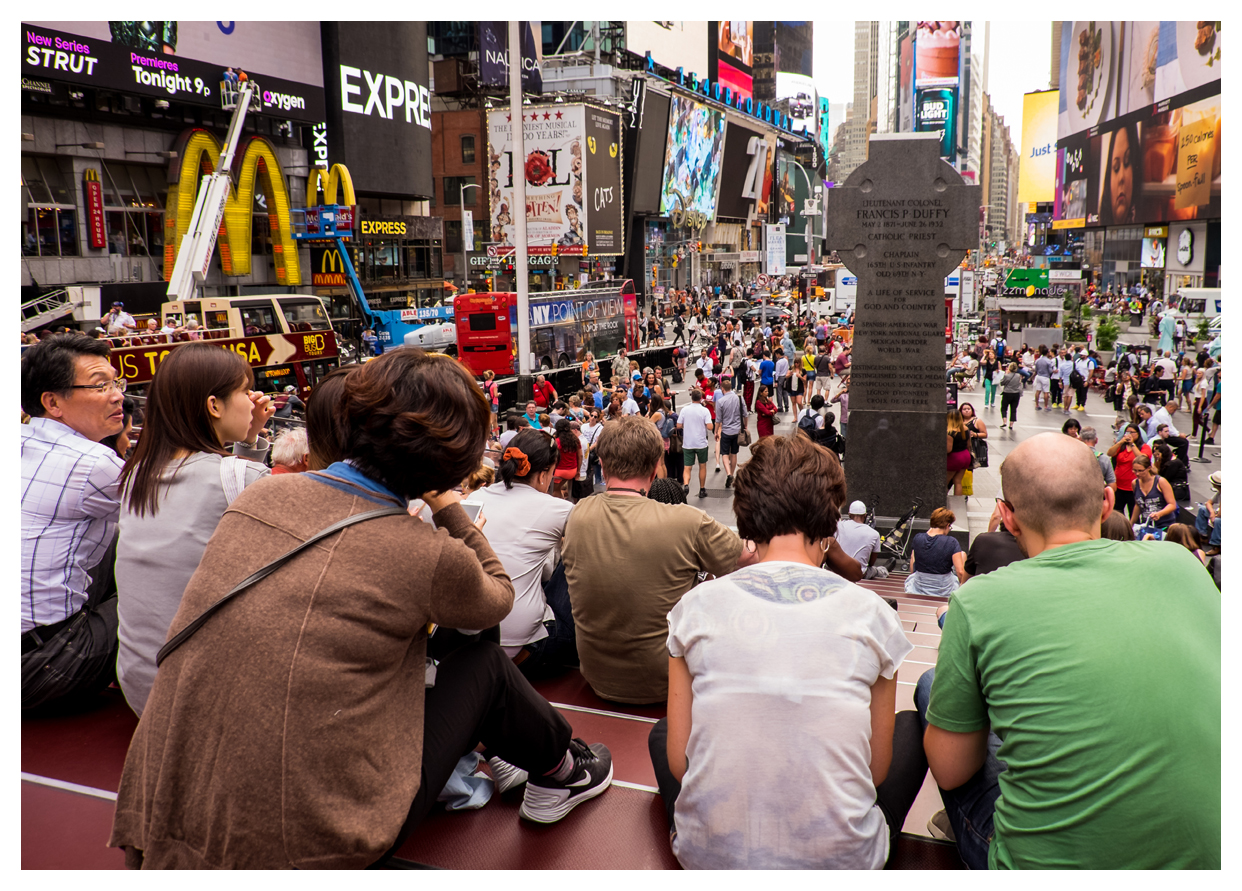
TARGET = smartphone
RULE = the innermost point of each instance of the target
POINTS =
(472, 509)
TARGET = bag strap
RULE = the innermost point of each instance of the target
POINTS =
(185, 633)
(232, 476)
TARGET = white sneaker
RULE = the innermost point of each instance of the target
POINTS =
(548, 800)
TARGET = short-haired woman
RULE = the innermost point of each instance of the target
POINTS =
(937, 561)
(783, 669)
(175, 487)
(1011, 393)
(308, 695)
(327, 428)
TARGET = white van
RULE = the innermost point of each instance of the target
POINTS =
(1196, 303)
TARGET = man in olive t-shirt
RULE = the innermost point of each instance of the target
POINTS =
(1106, 700)
(628, 560)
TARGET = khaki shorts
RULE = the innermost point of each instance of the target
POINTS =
(1041, 383)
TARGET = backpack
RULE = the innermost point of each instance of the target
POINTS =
(668, 425)
(1076, 379)
(806, 423)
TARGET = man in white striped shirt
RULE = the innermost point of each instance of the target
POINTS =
(70, 505)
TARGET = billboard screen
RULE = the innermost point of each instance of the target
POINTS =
(379, 105)
(803, 100)
(693, 154)
(184, 61)
(603, 182)
(905, 85)
(732, 54)
(1166, 167)
(1112, 70)
(1069, 209)
(1037, 168)
(573, 179)
(746, 175)
(936, 112)
(793, 50)
(736, 41)
(937, 53)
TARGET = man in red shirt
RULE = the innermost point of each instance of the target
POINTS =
(545, 393)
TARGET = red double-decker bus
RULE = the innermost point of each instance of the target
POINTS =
(564, 325)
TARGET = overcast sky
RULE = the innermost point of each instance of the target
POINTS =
(1020, 55)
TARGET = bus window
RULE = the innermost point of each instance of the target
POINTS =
(305, 315)
(483, 321)
(258, 320)
(216, 318)
(274, 380)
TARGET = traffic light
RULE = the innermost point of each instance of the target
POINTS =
(555, 250)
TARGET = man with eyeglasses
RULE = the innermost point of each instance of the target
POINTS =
(70, 506)
(1074, 717)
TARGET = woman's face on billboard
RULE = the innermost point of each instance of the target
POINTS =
(1122, 182)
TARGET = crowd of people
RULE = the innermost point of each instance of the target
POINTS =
(433, 566)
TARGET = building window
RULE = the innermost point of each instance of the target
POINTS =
(453, 194)
(467, 149)
(134, 200)
(50, 227)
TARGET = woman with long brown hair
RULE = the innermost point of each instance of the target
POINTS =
(958, 460)
(175, 487)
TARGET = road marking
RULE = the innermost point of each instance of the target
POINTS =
(69, 787)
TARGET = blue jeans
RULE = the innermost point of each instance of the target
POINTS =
(970, 806)
(559, 650)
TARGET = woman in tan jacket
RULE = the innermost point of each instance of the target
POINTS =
(294, 728)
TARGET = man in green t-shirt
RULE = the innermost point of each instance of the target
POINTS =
(1101, 690)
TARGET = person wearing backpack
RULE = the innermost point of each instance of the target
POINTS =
(730, 422)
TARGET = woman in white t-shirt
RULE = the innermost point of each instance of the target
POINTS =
(525, 526)
(782, 749)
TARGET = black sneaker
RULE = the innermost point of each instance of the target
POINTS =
(729, 481)
(686, 488)
(702, 493)
(548, 800)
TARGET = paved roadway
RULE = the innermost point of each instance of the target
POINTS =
(1099, 414)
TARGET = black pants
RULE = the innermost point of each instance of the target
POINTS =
(1080, 395)
(1181, 446)
(480, 696)
(1009, 403)
(1054, 389)
(895, 795)
(72, 665)
(1124, 502)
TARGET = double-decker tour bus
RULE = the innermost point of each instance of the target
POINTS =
(286, 338)
(564, 325)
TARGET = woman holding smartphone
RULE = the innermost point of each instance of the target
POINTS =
(1123, 453)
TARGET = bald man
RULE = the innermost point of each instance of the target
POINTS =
(1103, 700)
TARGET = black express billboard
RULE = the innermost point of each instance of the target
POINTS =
(182, 61)
(379, 105)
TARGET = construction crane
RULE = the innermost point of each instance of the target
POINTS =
(199, 243)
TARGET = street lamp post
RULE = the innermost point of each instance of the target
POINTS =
(808, 235)
(526, 384)
(461, 204)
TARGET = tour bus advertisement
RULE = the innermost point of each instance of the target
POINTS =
(186, 61)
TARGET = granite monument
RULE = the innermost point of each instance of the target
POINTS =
(901, 222)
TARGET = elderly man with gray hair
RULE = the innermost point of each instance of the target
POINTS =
(290, 452)
(1092, 439)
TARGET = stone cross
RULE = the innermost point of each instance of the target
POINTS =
(901, 223)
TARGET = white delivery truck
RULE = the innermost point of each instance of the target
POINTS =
(846, 293)
(1197, 303)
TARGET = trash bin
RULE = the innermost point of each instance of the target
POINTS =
(1136, 320)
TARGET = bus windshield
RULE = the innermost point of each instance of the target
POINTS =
(305, 315)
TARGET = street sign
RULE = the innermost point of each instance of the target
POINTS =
(762, 279)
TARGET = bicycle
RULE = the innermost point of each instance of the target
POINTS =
(895, 544)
